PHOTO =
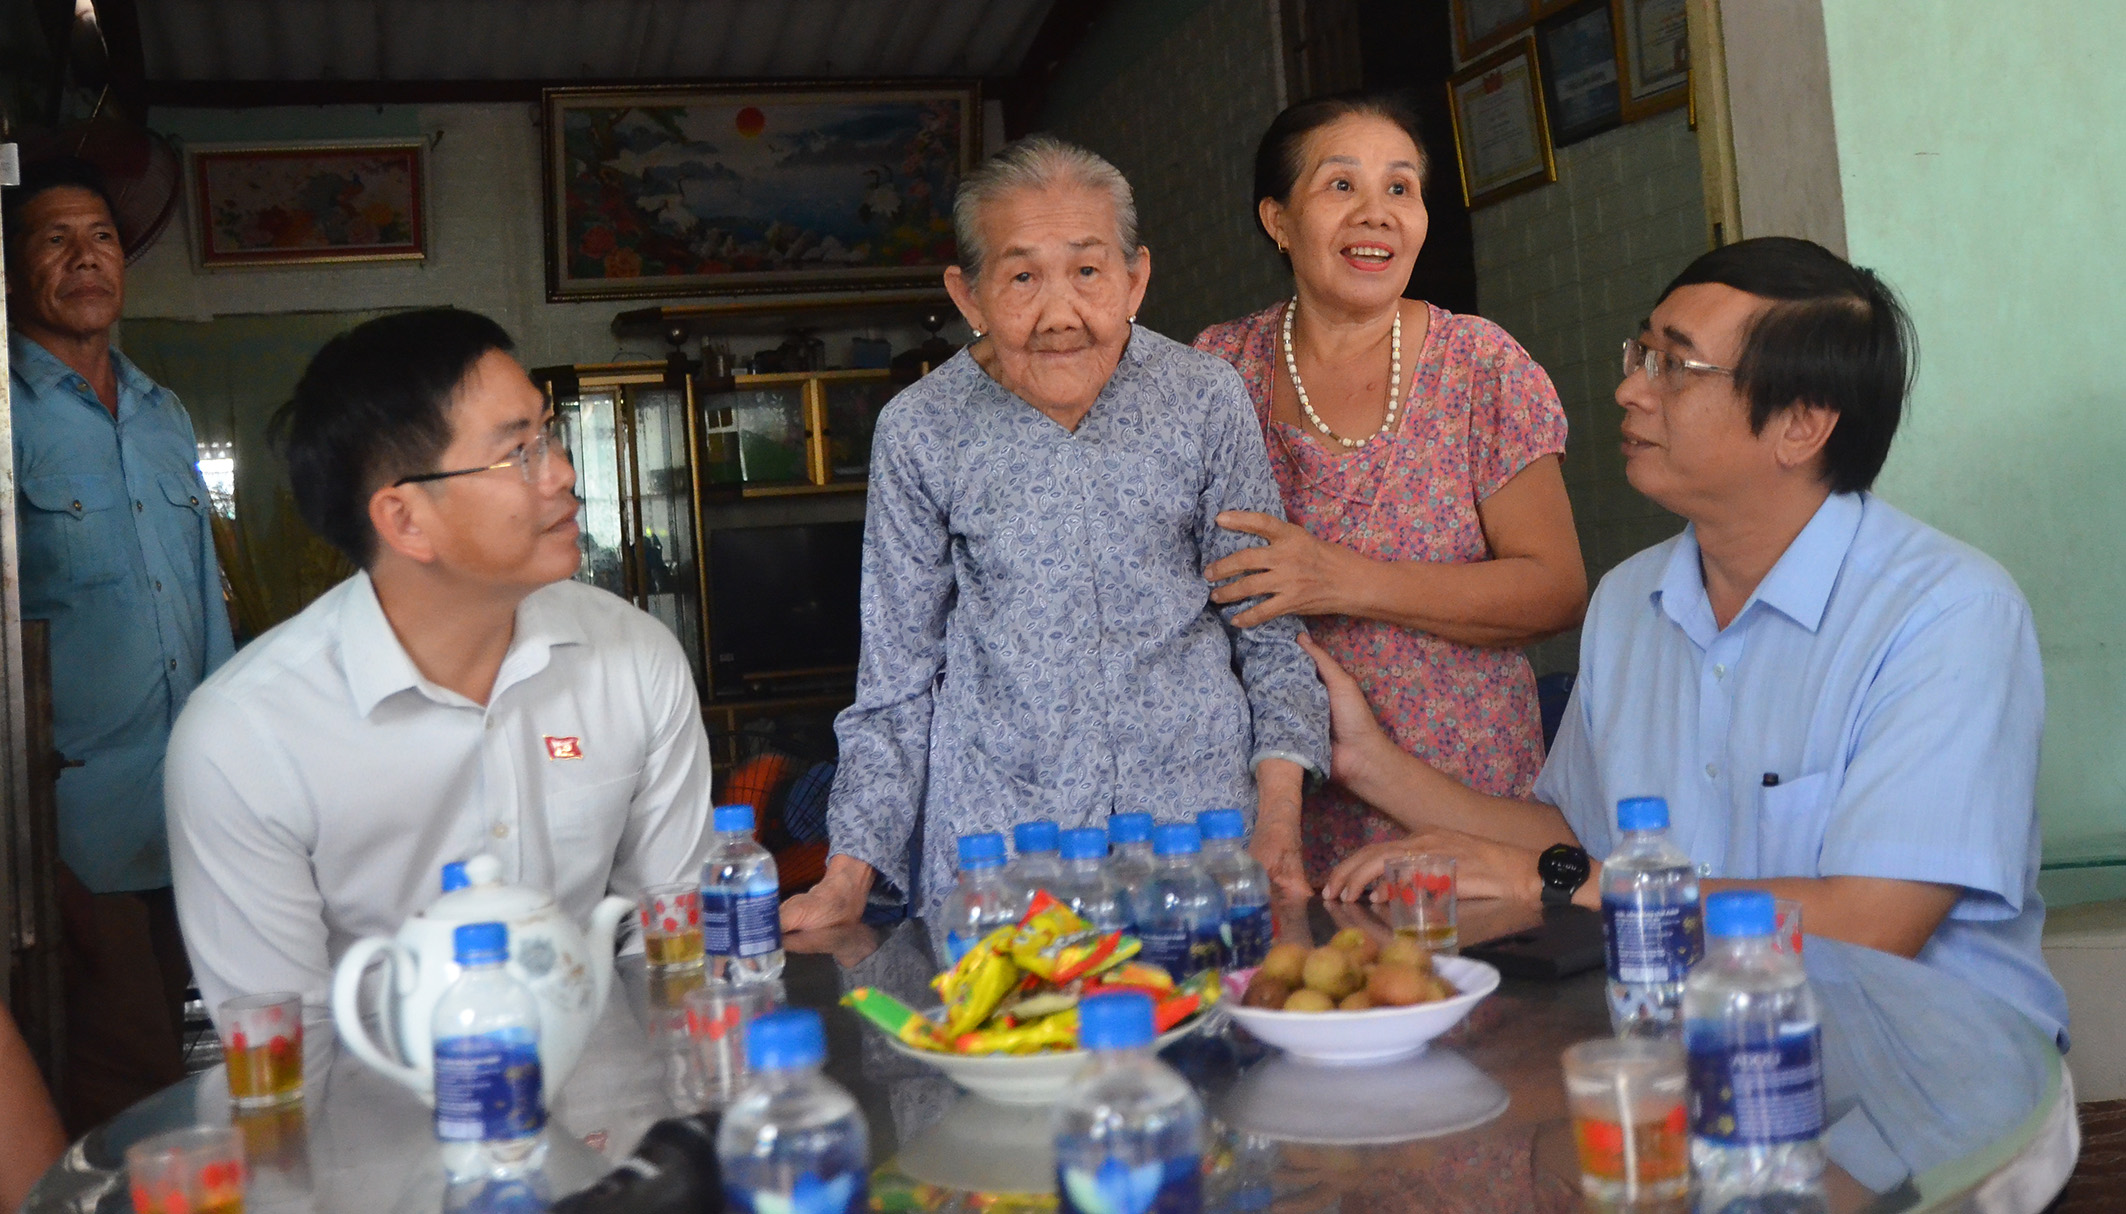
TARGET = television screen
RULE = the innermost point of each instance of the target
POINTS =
(783, 602)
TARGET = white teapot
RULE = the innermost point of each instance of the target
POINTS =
(568, 973)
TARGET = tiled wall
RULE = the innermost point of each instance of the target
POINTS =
(1180, 117)
(1570, 270)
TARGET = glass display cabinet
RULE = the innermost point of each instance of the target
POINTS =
(630, 429)
(793, 432)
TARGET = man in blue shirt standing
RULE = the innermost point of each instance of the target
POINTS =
(117, 552)
(1841, 704)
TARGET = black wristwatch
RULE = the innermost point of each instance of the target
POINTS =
(1564, 870)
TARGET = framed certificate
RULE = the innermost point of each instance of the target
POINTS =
(1501, 131)
(1577, 52)
(1480, 25)
(1653, 55)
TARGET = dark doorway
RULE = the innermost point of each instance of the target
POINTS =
(1408, 49)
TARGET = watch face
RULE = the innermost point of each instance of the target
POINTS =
(1563, 866)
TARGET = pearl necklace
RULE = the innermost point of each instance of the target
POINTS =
(1395, 380)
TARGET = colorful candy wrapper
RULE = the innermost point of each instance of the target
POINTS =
(1059, 1031)
(1199, 992)
(949, 983)
(988, 976)
(905, 1023)
(1153, 980)
(1063, 957)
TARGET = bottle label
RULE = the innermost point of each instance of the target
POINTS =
(1247, 935)
(1760, 1094)
(843, 1193)
(1115, 1187)
(1182, 950)
(1651, 942)
(487, 1087)
(740, 922)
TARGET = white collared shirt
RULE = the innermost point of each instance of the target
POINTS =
(317, 784)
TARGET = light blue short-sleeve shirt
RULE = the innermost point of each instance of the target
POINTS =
(1874, 710)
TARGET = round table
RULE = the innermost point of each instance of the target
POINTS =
(1940, 1098)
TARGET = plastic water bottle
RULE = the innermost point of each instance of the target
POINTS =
(741, 911)
(1129, 837)
(1245, 882)
(1035, 864)
(1129, 1130)
(1181, 918)
(1756, 1066)
(795, 1139)
(1087, 887)
(1650, 921)
(985, 898)
(490, 1106)
(454, 876)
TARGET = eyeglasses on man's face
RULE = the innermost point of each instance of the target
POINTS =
(529, 459)
(1663, 370)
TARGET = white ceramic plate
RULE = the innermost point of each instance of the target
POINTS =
(1293, 1100)
(1018, 1078)
(1378, 1035)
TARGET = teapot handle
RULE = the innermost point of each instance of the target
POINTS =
(347, 1006)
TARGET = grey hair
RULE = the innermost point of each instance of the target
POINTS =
(1038, 162)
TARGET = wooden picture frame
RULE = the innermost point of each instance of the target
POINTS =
(780, 194)
(1501, 130)
(1653, 55)
(1577, 50)
(321, 203)
(1480, 25)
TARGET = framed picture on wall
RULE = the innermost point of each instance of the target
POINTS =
(284, 204)
(823, 191)
(1501, 131)
(1480, 25)
(1577, 51)
(1653, 55)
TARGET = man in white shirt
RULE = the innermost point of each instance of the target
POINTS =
(459, 695)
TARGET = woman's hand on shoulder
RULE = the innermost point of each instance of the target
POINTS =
(1293, 573)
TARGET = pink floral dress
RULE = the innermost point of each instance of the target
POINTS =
(1479, 411)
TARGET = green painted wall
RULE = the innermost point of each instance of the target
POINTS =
(1984, 164)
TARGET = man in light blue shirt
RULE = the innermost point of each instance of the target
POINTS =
(1842, 705)
(117, 552)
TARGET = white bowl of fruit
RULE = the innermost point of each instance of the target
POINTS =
(1353, 1000)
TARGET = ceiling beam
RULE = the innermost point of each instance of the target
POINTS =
(1065, 29)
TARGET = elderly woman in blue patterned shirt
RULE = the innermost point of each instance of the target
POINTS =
(1039, 640)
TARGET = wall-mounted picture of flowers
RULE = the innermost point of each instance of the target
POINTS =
(283, 204)
(828, 191)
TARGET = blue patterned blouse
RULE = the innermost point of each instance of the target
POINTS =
(1038, 638)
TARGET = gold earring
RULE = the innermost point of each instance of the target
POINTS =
(1280, 246)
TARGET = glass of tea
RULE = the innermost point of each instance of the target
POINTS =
(1421, 900)
(195, 1171)
(262, 1047)
(1629, 1121)
(671, 925)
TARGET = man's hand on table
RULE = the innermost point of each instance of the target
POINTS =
(1484, 869)
(837, 901)
(1279, 784)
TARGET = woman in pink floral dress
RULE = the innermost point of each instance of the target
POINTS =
(1430, 536)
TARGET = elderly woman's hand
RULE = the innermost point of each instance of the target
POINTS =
(837, 901)
(1293, 574)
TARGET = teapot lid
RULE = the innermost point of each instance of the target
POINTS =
(485, 898)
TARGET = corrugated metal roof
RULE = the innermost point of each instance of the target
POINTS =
(559, 40)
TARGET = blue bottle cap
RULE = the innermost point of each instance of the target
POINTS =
(734, 817)
(1085, 843)
(1120, 1021)
(454, 876)
(1177, 839)
(486, 943)
(1034, 837)
(1129, 828)
(1739, 912)
(985, 850)
(1222, 824)
(789, 1038)
(1642, 813)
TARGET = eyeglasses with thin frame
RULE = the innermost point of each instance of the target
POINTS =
(1664, 370)
(529, 459)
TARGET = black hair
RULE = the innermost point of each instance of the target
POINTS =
(1834, 336)
(51, 173)
(374, 406)
(1281, 156)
